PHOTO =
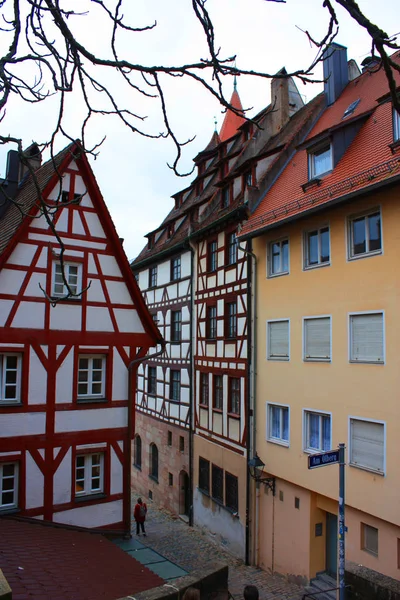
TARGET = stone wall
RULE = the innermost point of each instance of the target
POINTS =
(370, 585)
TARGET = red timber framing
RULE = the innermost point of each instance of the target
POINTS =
(59, 412)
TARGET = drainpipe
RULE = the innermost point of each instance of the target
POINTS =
(191, 378)
(131, 378)
(251, 391)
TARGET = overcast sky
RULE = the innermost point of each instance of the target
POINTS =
(131, 170)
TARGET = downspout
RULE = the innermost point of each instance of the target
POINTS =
(131, 375)
(251, 389)
(191, 377)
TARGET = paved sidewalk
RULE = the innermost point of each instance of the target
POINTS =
(190, 548)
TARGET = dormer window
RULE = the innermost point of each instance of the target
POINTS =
(225, 197)
(320, 160)
(150, 243)
(396, 125)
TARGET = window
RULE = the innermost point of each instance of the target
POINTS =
(137, 457)
(8, 485)
(154, 462)
(181, 443)
(278, 423)
(317, 252)
(175, 385)
(176, 268)
(320, 161)
(152, 381)
(217, 475)
(234, 395)
(176, 325)
(279, 258)
(169, 438)
(317, 339)
(231, 492)
(204, 391)
(152, 277)
(89, 474)
(225, 197)
(278, 340)
(204, 475)
(211, 324)
(231, 249)
(369, 539)
(367, 445)
(218, 396)
(212, 256)
(317, 431)
(231, 319)
(396, 125)
(10, 378)
(248, 178)
(365, 235)
(72, 274)
(91, 377)
(366, 338)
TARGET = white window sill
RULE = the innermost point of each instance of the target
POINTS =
(363, 468)
(315, 451)
(279, 358)
(365, 255)
(366, 362)
(318, 266)
(319, 360)
(273, 275)
(279, 442)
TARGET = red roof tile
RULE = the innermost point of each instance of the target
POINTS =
(48, 563)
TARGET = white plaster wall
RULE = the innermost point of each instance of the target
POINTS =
(85, 420)
(33, 289)
(185, 264)
(109, 265)
(5, 307)
(30, 315)
(184, 377)
(128, 320)
(66, 317)
(65, 183)
(62, 223)
(118, 292)
(42, 262)
(37, 380)
(185, 395)
(95, 515)
(119, 378)
(94, 225)
(221, 523)
(174, 410)
(22, 254)
(116, 474)
(34, 483)
(63, 481)
(164, 273)
(95, 291)
(64, 379)
(77, 226)
(98, 319)
(22, 424)
(92, 269)
(11, 280)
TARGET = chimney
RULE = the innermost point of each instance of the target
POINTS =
(9, 186)
(279, 102)
(33, 157)
(335, 72)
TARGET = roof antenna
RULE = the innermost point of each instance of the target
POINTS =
(215, 124)
(235, 80)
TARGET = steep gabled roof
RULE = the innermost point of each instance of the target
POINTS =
(366, 163)
(232, 121)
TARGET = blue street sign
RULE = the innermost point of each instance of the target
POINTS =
(321, 460)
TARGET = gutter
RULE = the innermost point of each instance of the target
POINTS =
(191, 377)
(251, 377)
(132, 372)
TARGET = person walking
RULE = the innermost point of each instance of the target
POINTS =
(139, 514)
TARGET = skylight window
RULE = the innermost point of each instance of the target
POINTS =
(351, 108)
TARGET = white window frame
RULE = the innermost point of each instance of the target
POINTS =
(90, 395)
(322, 413)
(269, 437)
(323, 147)
(350, 337)
(396, 125)
(270, 273)
(319, 264)
(316, 358)
(88, 489)
(15, 490)
(269, 355)
(350, 445)
(3, 376)
(67, 265)
(350, 219)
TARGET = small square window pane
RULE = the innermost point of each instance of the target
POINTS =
(7, 498)
(8, 470)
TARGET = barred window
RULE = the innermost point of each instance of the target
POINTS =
(204, 475)
(217, 483)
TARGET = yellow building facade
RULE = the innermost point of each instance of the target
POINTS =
(327, 371)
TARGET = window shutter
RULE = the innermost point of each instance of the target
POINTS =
(367, 444)
(317, 338)
(367, 337)
(278, 339)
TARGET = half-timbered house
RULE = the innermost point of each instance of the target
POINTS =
(73, 327)
(239, 163)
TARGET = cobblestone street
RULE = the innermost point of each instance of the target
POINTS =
(190, 548)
